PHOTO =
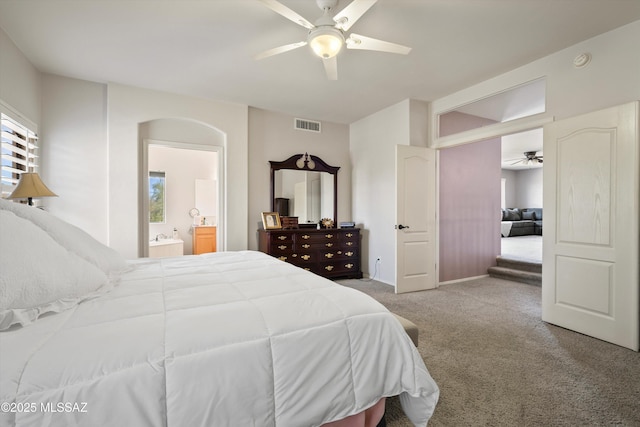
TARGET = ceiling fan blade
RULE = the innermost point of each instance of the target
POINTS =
(283, 10)
(350, 14)
(279, 49)
(331, 67)
(356, 41)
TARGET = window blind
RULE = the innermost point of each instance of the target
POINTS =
(19, 152)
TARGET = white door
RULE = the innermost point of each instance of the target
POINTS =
(415, 218)
(590, 236)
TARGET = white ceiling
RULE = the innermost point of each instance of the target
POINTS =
(514, 146)
(205, 48)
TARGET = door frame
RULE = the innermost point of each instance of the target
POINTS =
(143, 190)
(477, 135)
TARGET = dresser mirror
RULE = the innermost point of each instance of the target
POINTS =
(306, 187)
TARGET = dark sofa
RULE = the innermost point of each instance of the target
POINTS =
(521, 222)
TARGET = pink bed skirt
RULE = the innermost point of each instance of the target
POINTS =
(368, 418)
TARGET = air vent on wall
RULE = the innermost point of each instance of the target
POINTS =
(307, 125)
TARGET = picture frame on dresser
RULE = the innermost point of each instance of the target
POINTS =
(271, 221)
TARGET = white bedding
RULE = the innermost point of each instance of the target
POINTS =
(225, 339)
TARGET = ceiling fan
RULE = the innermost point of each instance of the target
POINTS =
(327, 35)
(530, 158)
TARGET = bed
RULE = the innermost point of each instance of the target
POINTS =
(221, 339)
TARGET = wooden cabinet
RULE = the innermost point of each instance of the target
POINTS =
(204, 239)
(332, 253)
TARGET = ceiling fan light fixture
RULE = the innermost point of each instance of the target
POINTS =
(326, 42)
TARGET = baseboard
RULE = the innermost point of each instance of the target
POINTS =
(466, 279)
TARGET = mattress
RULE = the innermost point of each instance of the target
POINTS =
(220, 339)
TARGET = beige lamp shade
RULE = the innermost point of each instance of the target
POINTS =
(30, 186)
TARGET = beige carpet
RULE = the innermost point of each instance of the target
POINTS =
(498, 364)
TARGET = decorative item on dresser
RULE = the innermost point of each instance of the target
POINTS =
(331, 253)
(204, 239)
(289, 221)
(271, 220)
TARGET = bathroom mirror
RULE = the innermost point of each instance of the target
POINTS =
(306, 187)
(207, 199)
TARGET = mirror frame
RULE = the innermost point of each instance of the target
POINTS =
(306, 162)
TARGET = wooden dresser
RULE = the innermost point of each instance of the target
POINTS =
(332, 253)
(204, 239)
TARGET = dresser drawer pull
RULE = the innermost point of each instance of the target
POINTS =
(329, 267)
(349, 234)
(307, 268)
(329, 245)
(282, 237)
(329, 255)
(306, 246)
(349, 243)
(306, 236)
(328, 236)
(348, 253)
(306, 257)
(282, 247)
(282, 258)
(349, 266)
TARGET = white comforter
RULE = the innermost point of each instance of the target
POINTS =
(226, 339)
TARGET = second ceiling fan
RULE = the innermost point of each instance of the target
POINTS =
(530, 158)
(327, 35)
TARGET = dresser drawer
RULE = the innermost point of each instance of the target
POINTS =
(278, 237)
(330, 253)
(339, 268)
(317, 237)
(281, 247)
(348, 235)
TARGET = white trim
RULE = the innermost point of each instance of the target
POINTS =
(493, 131)
(12, 112)
(465, 279)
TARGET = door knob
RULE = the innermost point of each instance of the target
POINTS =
(400, 226)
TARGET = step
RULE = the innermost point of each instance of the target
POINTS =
(519, 264)
(529, 277)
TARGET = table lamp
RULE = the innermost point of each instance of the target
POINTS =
(30, 186)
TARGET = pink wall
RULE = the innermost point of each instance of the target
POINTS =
(469, 209)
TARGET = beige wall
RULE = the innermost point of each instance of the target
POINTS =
(75, 152)
(19, 81)
(523, 188)
(273, 137)
(373, 143)
(130, 106)
(610, 79)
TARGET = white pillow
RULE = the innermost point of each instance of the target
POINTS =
(38, 275)
(70, 237)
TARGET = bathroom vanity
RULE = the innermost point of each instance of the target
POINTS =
(204, 239)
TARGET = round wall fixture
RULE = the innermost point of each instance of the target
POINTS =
(582, 60)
